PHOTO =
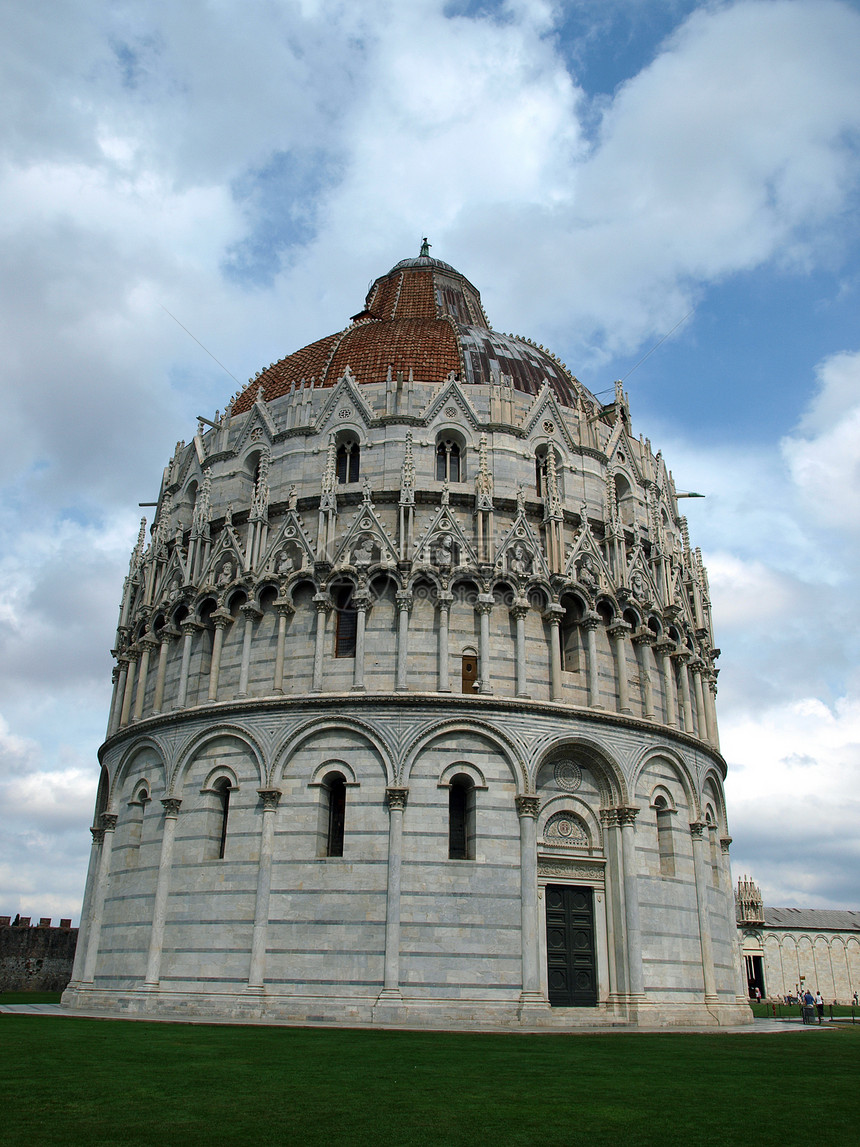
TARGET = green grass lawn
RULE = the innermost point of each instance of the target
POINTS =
(112, 1082)
(30, 997)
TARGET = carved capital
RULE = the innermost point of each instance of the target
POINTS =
(270, 798)
(150, 641)
(554, 613)
(108, 821)
(323, 603)
(618, 629)
(590, 621)
(396, 798)
(519, 608)
(189, 626)
(627, 815)
(98, 835)
(284, 607)
(444, 599)
(222, 618)
(250, 610)
(527, 805)
(644, 636)
(609, 817)
(361, 602)
(171, 806)
(484, 604)
(698, 829)
(404, 600)
(725, 841)
(666, 646)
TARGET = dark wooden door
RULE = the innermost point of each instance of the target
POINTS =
(470, 673)
(571, 965)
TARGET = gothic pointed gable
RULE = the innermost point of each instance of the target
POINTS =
(172, 581)
(290, 548)
(546, 408)
(585, 563)
(520, 552)
(450, 395)
(622, 452)
(639, 579)
(366, 541)
(345, 396)
(444, 543)
(228, 549)
(259, 425)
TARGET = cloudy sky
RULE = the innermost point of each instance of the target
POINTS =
(603, 170)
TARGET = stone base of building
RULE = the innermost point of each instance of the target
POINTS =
(386, 1009)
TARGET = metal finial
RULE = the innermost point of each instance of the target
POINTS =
(425, 248)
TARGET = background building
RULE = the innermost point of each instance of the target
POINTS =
(787, 950)
(413, 713)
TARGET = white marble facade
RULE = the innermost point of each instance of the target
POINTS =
(360, 603)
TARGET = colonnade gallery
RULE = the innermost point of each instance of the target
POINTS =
(413, 714)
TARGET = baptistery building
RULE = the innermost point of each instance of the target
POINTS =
(413, 712)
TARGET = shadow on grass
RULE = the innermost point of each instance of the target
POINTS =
(110, 1082)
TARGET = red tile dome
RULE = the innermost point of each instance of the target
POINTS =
(425, 317)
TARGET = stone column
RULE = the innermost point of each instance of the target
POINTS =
(285, 609)
(443, 600)
(148, 644)
(131, 656)
(590, 623)
(361, 604)
(627, 819)
(323, 607)
(188, 628)
(108, 827)
(697, 831)
(396, 798)
(256, 976)
(665, 649)
(162, 887)
(528, 810)
(221, 619)
(618, 632)
(122, 668)
(518, 612)
(729, 893)
(250, 613)
(699, 697)
(642, 642)
(484, 607)
(711, 699)
(554, 614)
(87, 906)
(167, 635)
(404, 605)
(615, 908)
(686, 701)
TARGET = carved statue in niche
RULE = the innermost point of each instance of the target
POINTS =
(443, 553)
(292, 498)
(520, 560)
(586, 574)
(363, 553)
(175, 588)
(638, 585)
(227, 573)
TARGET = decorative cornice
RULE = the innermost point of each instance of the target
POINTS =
(579, 868)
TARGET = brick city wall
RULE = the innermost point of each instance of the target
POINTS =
(36, 959)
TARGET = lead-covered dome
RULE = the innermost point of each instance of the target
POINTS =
(423, 316)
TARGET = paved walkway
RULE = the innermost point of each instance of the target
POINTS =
(758, 1027)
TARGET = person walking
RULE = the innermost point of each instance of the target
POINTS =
(819, 1005)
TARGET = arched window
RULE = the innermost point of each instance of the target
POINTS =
(461, 818)
(347, 461)
(665, 843)
(334, 788)
(223, 788)
(346, 622)
(540, 472)
(448, 461)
